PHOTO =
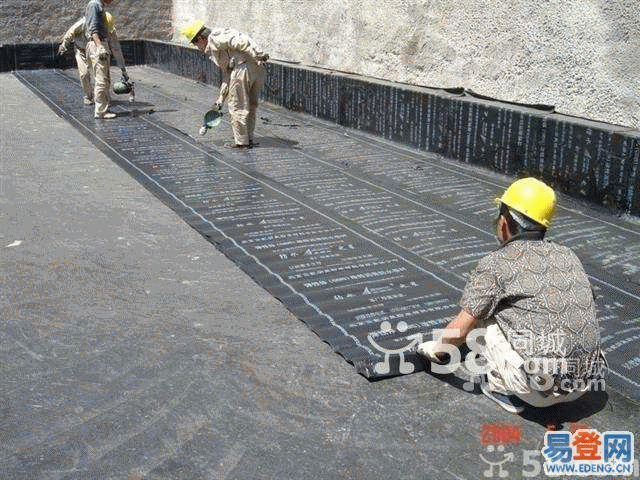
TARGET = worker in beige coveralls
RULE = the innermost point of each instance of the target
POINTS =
(97, 33)
(75, 34)
(532, 302)
(242, 65)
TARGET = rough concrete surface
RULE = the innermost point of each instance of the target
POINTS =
(578, 55)
(132, 349)
(26, 21)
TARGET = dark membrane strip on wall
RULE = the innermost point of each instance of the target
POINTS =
(371, 298)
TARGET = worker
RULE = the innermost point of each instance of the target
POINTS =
(99, 49)
(75, 34)
(534, 302)
(242, 66)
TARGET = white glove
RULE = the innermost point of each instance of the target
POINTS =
(102, 52)
(429, 349)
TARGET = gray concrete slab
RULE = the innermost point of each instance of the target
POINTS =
(131, 348)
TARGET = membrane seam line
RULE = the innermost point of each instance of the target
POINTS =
(209, 222)
(170, 194)
(300, 202)
(197, 147)
(636, 384)
(369, 239)
(410, 155)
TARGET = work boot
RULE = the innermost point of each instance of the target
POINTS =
(105, 115)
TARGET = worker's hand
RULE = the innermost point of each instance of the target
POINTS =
(430, 350)
(62, 49)
(218, 106)
(262, 57)
(125, 77)
(103, 53)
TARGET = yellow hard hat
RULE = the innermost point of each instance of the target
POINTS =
(110, 24)
(191, 29)
(532, 198)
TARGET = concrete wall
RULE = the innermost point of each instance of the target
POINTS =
(26, 21)
(579, 55)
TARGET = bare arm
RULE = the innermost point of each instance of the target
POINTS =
(456, 332)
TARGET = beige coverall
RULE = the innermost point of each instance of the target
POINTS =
(101, 70)
(75, 35)
(86, 67)
(243, 74)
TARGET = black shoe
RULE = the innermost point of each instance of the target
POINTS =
(510, 403)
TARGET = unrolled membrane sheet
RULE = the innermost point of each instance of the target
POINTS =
(348, 256)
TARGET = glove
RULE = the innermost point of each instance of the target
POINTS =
(103, 53)
(62, 49)
(262, 57)
(218, 106)
(429, 349)
(125, 77)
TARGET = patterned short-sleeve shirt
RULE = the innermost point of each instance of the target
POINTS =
(540, 296)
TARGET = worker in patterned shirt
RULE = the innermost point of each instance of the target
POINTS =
(532, 302)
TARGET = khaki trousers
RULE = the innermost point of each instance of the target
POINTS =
(245, 83)
(506, 374)
(84, 72)
(101, 78)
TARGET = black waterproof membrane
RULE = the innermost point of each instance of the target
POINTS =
(370, 267)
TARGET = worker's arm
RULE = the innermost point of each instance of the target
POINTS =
(221, 59)
(75, 31)
(116, 50)
(454, 334)
(224, 88)
(235, 40)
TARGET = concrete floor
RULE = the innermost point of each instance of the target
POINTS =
(132, 349)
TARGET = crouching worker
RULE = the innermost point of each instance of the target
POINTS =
(242, 66)
(534, 304)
